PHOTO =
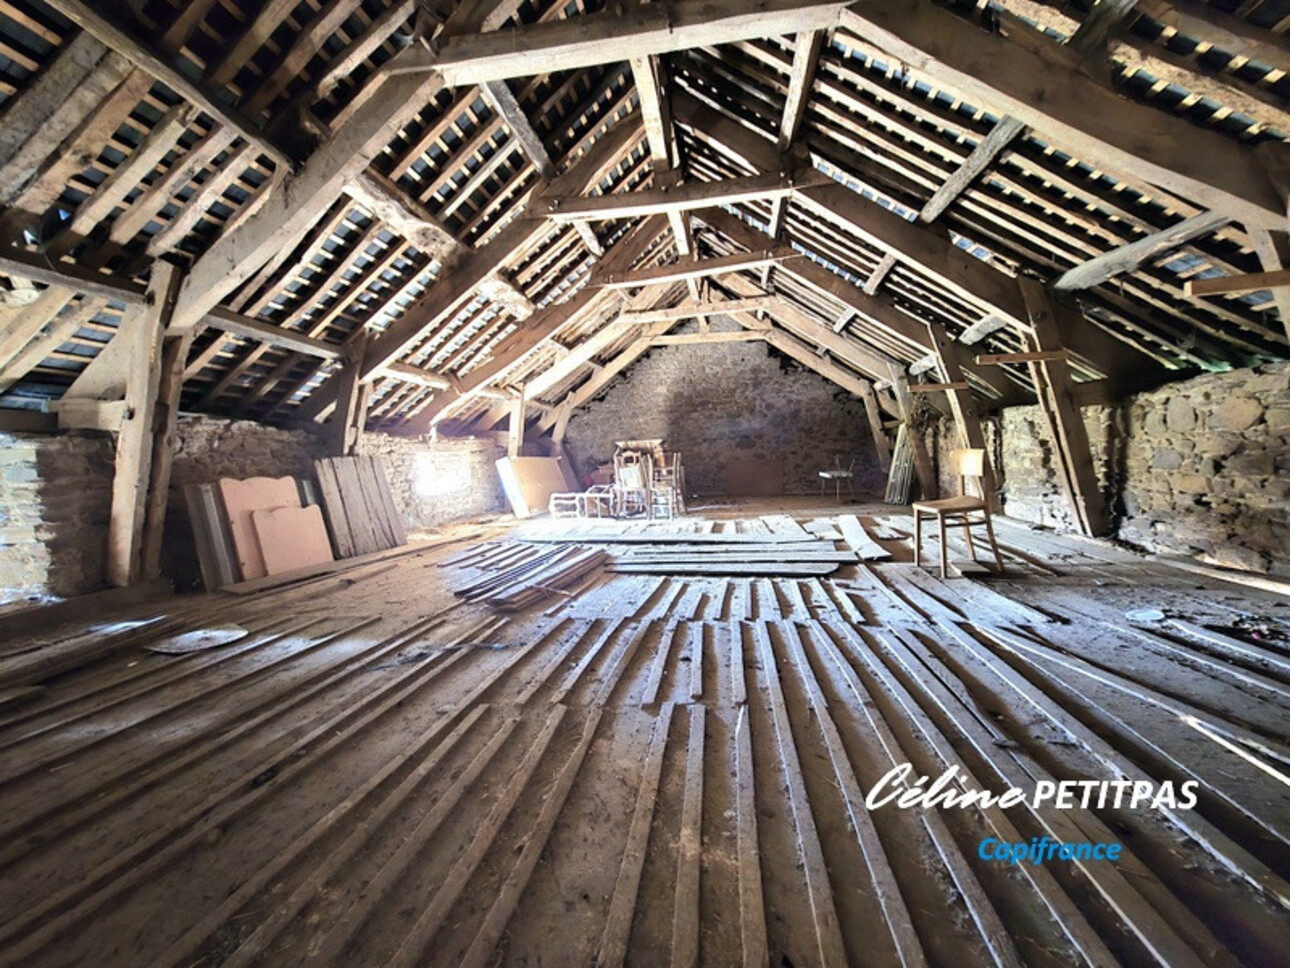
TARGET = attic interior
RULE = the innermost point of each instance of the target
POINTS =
(474, 476)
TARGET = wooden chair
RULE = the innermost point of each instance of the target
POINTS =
(958, 512)
(837, 474)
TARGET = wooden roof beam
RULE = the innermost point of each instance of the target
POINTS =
(801, 77)
(691, 308)
(497, 95)
(289, 212)
(1018, 75)
(126, 43)
(636, 30)
(801, 324)
(388, 203)
(981, 158)
(509, 354)
(1131, 255)
(698, 269)
(880, 307)
(1236, 285)
(602, 378)
(676, 198)
(655, 113)
(132, 294)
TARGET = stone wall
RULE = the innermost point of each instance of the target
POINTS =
(1207, 469)
(208, 448)
(55, 499)
(729, 408)
(451, 479)
(1199, 468)
(55, 493)
(1030, 488)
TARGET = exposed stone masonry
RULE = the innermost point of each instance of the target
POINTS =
(1198, 468)
(56, 492)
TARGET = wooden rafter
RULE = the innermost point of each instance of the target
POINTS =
(128, 44)
(932, 251)
(1089, 120)
(1128, 257)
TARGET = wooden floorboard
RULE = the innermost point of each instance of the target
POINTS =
(652, 769)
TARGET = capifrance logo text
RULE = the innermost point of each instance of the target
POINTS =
(898, 787)
(1041, 849)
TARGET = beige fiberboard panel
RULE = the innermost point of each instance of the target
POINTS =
(529, 482)
(241, 500)
(292, 538)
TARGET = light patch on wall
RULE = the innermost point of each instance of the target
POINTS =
(441, 474)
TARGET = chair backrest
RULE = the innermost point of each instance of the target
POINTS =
(968, 462)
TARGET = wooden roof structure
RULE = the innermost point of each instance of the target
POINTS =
(456, 212)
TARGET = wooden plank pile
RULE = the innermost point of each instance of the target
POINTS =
(516, 578)
(361, 515)
(785, 548)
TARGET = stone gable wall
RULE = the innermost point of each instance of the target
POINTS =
(726, 404)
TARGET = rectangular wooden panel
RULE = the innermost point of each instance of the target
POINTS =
(291, 538)
(241, 500)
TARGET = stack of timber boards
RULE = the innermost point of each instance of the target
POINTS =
(516, 576)
(361, 515)
(785, 549)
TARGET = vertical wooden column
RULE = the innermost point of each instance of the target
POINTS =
(927, 482)
(875, 425)
(950, 357)
(515, 428)
(141, 336)
(563, 413)
(174, 355)
(1056, 392)
(350, 417)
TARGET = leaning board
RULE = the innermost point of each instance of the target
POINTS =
(291, 538)
(241, 500)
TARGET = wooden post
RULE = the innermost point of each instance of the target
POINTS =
(562, 415)
(875, 424)
(350, 417)
(949, 356)
(173, 356)
(141, 332)
(1273, 250)
(515, 430)
(1056, 392)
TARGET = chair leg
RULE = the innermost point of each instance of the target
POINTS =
(945, 553)
(918, 539)
(967, 535)
(989, 530)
